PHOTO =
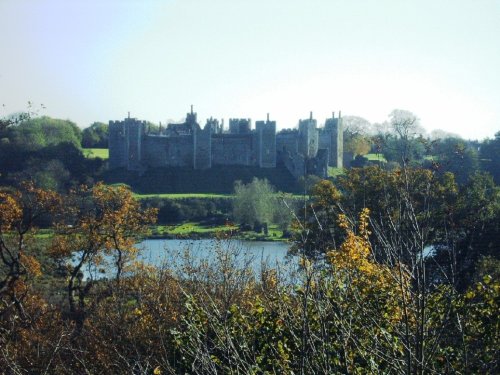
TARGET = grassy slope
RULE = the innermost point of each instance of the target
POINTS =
(216, 180)
(92, 153)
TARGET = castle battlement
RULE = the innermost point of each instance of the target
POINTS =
(307, 149)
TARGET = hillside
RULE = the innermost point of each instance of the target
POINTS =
(218, 179)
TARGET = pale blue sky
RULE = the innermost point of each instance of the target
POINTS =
(96, 60)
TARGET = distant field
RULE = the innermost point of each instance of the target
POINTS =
(334, 172)
(182, 195)
(92, 153)
(194, 195)
(375, 157)
(194, 228)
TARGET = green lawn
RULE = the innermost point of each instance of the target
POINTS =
(187, 228)
(92, 153)
(182, 195)
(44, 233)
(193, 228)
(375, 157)
(334, 172)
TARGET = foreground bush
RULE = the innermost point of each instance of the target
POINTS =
(345, 313)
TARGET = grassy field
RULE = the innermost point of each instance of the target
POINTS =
(193, 229)
(375, 157)
(334, 172)
(92, 153)
(194, 195)
(182, 195)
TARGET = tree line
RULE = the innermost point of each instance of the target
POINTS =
(46, 150)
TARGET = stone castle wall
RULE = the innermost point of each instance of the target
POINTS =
(167, 151)
(287, 141)
(234, 149)
(303, 150)
(155, 151)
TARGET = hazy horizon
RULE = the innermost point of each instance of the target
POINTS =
(93, 61)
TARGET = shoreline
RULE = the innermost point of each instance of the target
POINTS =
(210, 235)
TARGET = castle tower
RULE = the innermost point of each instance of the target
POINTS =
(202, 142)
(134, 130)
(202, 146)
(335, 128)
(308, 137)
(266, 143)
(125, 145)
(116, 144)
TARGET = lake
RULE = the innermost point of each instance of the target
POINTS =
(175, 254)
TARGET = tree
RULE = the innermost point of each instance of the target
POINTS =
(253, 203)
(357, 125)
(19, 213)
(95, 136)
(96, 222)
(284, 208)
(490, 156)
(456, 156)
(411, 210)
(37, 133)
(357, 133)
(357, 144)
(442, 134)
(402, 144)
(471, 232)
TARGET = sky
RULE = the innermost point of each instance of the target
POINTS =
(97, 60)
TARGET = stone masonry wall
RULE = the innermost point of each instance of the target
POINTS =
(233, 150)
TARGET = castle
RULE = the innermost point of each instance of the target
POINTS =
(306, 150)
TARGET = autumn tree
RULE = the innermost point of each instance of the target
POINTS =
(19, 212)
(97, 222)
